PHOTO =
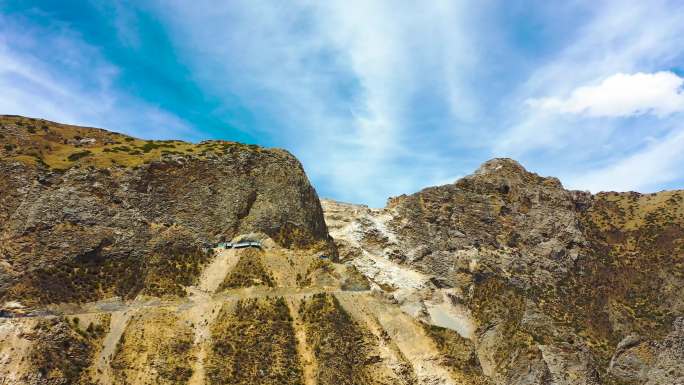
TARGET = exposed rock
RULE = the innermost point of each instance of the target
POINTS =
(97, 224)
(553, 279)
(503, 277)
(645, 361)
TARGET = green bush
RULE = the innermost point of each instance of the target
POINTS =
(149, 146)
(78, 155)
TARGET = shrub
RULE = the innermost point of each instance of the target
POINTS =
(41, 162)
(8, 147)
(78, 155)
(149, 146)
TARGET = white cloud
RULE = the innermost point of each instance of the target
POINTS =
(397, 58)
(618, 38)
(621, 95)
(612, 67)
(658, 163)
(380, 97)
(341, 77)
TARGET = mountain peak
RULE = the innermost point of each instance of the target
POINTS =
(500, 165)
(511, 171)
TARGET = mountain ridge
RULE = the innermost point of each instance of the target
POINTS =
(114, 209)
(109, 248)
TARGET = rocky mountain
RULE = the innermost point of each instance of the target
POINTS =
(86, 213)
(548, 286)
(111, 272)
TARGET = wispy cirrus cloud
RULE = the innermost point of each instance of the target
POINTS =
(50, 72)
(376, 98)
(343, 85)
(648, 169)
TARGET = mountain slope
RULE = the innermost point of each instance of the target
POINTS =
(110, 274)
(550, 285)
(86, 213)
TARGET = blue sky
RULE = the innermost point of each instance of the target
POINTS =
(376, 98)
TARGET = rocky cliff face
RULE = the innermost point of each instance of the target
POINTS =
(501, 278)
(550, 286)
(86, 213)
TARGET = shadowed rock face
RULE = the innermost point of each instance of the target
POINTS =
(86, 213)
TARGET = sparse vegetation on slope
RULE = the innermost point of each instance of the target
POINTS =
(460, 355)
(254, 344)
(556, 280)
(174, 265)
(175, 262)
(249, 271)
(62, 146)
(638, 242)
(63, 350)
(83, 210)
(155, 339)
(317, 267)
(499, 309)
(538, 284)
(339, 344)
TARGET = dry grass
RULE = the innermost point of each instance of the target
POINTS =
(459, 355)
(495, 303)
(339, 344)
(249, 271)
(174, 265)
(60, 146)
(631, 211)
(317, 267)
(64, 349)
(157, 347)
(254, 344)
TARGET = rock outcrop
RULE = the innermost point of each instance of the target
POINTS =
(86, 213)
(110, 272)
(552, 283)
